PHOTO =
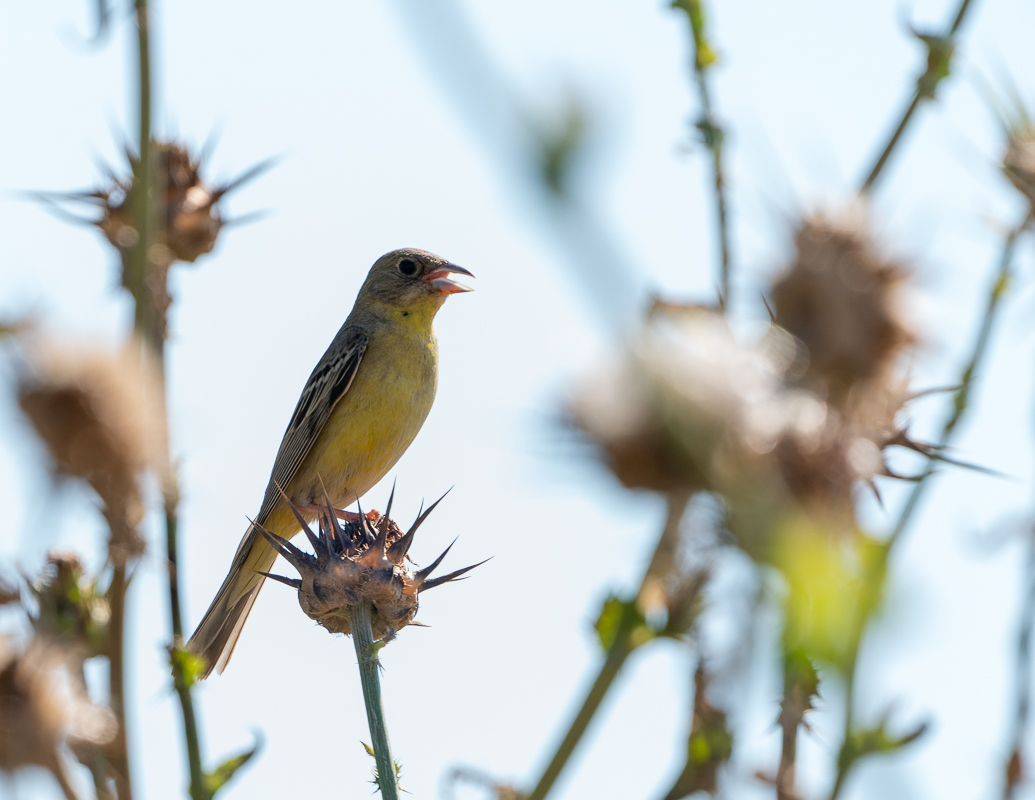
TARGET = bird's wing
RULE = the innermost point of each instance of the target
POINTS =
(326, 386)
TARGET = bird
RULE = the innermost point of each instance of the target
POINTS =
(362, 406)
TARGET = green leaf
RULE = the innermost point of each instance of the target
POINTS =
(221, 775)
(868, 741)
(940, 50)
(559, 143)
(187, 666)
(622, 618)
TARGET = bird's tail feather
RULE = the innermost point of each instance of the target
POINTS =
(217, 633)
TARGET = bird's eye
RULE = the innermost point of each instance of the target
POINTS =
(407, 266)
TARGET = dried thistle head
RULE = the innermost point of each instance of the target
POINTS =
(71, 610)
(91, 409)
(187, 226)
(44, 707)
(192, 220)
(355, 562)
(841, 299)
(682, 405)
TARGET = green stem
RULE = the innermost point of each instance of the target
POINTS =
(147, 214)
(198, 790)
(907, 116)
(619, 651)
(143, 202)
(118, 758)
(875, 580)
(363, 640)
(713, 138)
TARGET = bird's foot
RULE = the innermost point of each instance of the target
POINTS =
(341, 513)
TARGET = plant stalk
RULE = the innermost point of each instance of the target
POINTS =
(143, 203)
(147, 216)
(369, 675)
(907, 116)
(660, 563)
(713, 135)
(118, 754)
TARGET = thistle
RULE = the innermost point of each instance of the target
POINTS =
(95, 413)
(359, 561)
(842, 299)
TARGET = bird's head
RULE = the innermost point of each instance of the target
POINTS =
(409, 277)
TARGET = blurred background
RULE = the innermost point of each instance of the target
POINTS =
(391, 133)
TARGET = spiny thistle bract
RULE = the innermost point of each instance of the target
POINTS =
(358, 561)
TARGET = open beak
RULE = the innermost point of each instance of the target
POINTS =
(441, 280)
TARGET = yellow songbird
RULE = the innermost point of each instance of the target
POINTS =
(359, 411)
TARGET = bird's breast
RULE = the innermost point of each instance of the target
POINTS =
(376, 420)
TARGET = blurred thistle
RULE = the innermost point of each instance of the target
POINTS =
(70, 609)
(189, 220)
(359, 561)
(841, 298)
(692, 408)
(44, 708)
(92, 409)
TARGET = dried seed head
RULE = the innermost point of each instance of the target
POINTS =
(43, 707)
(1019, 158)
(840, 298)
(91, 409)
(70, 608)
(187, 227)
(358, 561)
(691, 407)
(192, 221)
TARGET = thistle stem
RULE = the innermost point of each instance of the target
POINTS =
(198, 790)
(714, 136)
(143, 203)
(661, 560)
(118, 758)
(873, 585)
(363, 640)
(147, 214)
(919, 97)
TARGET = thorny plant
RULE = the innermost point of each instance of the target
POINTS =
(102, 418)
(781, 431)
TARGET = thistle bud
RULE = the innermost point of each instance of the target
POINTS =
(357, 561)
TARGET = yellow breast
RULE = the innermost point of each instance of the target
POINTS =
(376, 420)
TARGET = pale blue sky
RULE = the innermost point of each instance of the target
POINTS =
(380, 154)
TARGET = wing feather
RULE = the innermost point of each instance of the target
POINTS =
(328, 383)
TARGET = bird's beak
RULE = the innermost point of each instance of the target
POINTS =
(441, 282)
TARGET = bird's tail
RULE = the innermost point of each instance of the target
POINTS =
(217, 633)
